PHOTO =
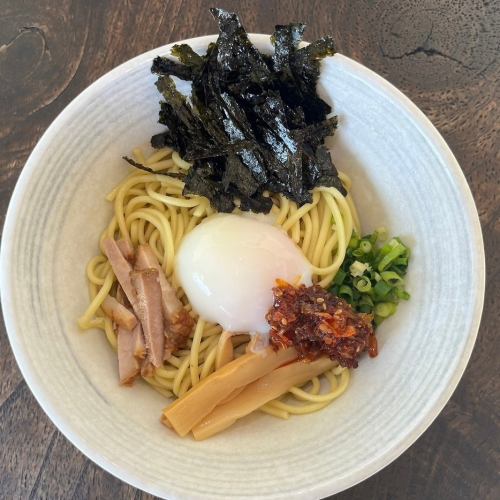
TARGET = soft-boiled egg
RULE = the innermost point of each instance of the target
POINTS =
(228, 266)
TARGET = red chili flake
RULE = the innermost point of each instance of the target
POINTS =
(318, 323)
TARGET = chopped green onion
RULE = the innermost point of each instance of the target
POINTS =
(381, 289)
(358, 268)
(391, 277)
(345, 292)
(358, 252)
(371, 276)
(385, 309)
(365, 246)
(366, 300)
(364, 308)
(393, 254)
(363, 284)
(401, 261)
(402, 294)
(354, 242)
(339, 277)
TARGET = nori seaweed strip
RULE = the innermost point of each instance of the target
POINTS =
(238, 128)
(298, 69)
(305, 65)
(164, 66)
(286, 151)
(256, 203)
(316, 133)
(253, 122)
(237, 56)
(179, 116)
(213, 190)
(218, 151)
(328, 172)
(140, 166)
(285, 39)
(319, 169)
(188, 57)
(295, 117)
(177, 102)
(210, 122)
(165, 139)
(239, 176)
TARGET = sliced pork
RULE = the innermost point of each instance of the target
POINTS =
(122, 298)
(148, 307)
(179, 324)
(179, 328)
(129, 364)
(122, 269)
(119, 313)
(139, 345)
(127, 249)
(147, 259)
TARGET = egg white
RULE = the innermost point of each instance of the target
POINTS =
(228, 266)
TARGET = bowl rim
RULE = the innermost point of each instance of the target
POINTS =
(61, 421)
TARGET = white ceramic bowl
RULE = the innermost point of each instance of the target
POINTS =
(405, 178)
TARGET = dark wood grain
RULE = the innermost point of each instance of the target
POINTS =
(443, 54)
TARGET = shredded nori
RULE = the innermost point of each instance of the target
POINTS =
(253, 123)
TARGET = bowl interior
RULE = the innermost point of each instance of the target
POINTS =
(404, 178)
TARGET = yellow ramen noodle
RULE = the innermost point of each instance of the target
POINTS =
(150, 208)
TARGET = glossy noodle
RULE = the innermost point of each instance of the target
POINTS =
(150, 208)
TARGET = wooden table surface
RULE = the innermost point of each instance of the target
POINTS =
(443, 54)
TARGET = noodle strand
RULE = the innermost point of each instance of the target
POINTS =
(150, 208)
